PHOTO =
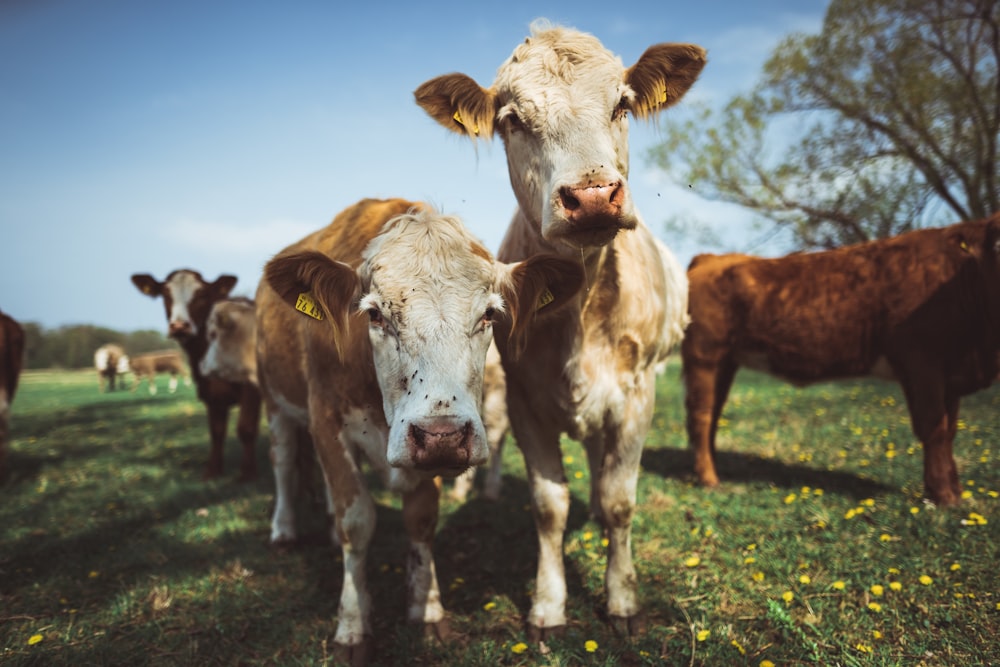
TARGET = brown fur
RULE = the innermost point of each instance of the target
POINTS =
(11, 361)
(926, 302)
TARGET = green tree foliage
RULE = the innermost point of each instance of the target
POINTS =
(886, 121)
(73, 346)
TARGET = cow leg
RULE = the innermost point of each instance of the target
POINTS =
(934, 418)
(284, 454)
(247, 427)
(355, 511)
(218, 418)
(420, 513)
(172, 387)
(706, 389)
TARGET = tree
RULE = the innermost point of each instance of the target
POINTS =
(886, 121)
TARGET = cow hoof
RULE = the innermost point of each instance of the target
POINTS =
(355, 655)
(440, 631)
(537, 635)
(628, 626)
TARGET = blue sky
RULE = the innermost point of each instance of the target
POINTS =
(150, 136)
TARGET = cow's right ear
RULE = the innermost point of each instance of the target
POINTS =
(460, 104)
(147, 284)
(316, 286)
(536, 287)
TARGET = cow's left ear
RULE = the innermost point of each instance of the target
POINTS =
(536, 287)
(223, 285)
(662, 76)
(147, 284)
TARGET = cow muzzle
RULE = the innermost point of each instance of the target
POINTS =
(180, 329)
(594, 213)
(440, 446)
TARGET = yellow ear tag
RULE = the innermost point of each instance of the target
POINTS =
(964, 246)
(458, 119)
(306, 304)
(544, 299)
(663, 96)
(145, 289)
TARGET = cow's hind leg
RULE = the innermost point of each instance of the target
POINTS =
(420, 513)
(284, 458)
(706, 389)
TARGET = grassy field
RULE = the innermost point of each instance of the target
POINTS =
(817, 548)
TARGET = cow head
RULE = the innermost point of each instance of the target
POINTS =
(231, 331)
(187, 298)
(561, 103)
(428, 294)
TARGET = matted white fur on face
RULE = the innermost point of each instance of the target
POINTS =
(431, 304)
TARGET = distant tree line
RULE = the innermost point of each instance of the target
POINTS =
(73, 346)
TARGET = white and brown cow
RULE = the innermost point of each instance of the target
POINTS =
(188, 298)
(560, 104)
(232, 341)
(384, 363)
(110, 361)
(11, 361)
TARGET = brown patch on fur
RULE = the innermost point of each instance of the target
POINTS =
(451, 95)
(663, 75)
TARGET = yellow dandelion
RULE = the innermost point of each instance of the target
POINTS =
(519, 648)
(966, 494)
(766, 663)
(788, 596)
(850, 514)
(805, 579)
(490, 606)
(704, 634)
(751, 546)
(34, 639)
(868, 502)
(863, 648)
(955, 567)
(590, 646)
(604, 542)
(895, 585)
(587, 536)
(757, 576)
(914, 510)
(94, 574)
(875, 607)
(739, 647)
(817, 492)
(877, 590)
(692, 561)
(885, 537)
(838, 585)
(876, 634)
(790, 498)
(568, 459)
(925, 580)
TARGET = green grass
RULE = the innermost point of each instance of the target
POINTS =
(816, 549)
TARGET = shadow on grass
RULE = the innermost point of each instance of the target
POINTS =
(744, 468)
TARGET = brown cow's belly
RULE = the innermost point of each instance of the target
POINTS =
(803, 370)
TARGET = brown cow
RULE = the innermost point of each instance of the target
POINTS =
(150, 364)
(232, 341)
(11, 360)
(922, 309)
(384, 364)
(560, 104)
(187, 299)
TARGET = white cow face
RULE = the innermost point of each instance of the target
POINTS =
(560, 103)
(430, 294)
(187, 299)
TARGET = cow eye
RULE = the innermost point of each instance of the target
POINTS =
(619, 111)
(489, 314)
(375, 315)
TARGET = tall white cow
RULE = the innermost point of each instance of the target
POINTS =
(560, 104)
(371, 336)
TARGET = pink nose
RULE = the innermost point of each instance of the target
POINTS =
(179, 328)
(440, 445)
(592, 203)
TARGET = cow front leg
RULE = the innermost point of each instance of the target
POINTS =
(247, 428)
(420, 513)
(218, 419)
(284, 457)
(934, 418)
(706, 387)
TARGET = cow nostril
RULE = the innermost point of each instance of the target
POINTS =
(569, 201)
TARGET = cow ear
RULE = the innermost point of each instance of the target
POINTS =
(662, 76)
(223, 285)
(147, 284)
(536, 287)
(316, 286)
(458, 103)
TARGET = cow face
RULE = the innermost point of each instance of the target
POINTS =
(231, 331)
(187, 299)
(428, 295)
(561, 103)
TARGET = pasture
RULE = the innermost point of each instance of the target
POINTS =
(816, 549)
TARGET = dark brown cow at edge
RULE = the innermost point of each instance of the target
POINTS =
(922, 308)
(188, 298)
